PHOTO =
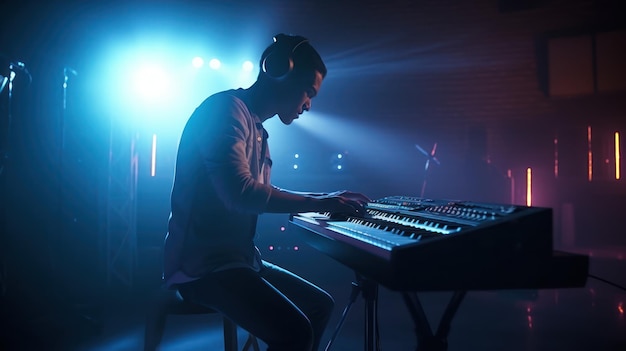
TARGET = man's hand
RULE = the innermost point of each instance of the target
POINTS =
(345, 202)
(350, 195)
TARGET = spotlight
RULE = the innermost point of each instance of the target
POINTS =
(151, 82)
(197, 62)
(215, 63)
(247, 66)
(337, 161)
(295, 165)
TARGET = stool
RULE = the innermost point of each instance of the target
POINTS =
(169, 302)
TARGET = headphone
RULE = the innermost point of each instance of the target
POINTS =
(278, 62)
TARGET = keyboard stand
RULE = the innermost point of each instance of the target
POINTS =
(369, 290)
(426, 340)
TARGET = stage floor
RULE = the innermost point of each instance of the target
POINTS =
(574, 319)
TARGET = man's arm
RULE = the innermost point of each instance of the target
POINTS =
(303, 193)
(286, 201)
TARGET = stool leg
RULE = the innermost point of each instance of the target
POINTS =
(154, 328)
(230, 335)
(251, 342)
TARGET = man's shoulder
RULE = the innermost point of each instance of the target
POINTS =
(223, 107)
(226, 98)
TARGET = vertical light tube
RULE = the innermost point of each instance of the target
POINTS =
(153, 167)
(509, 174)
(529, 187)
(589, 155)
(617, 157)
(556, 158)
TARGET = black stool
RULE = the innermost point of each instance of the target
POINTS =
(167, 302)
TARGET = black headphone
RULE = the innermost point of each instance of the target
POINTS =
(278, 62)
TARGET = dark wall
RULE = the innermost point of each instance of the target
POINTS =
(471, 76)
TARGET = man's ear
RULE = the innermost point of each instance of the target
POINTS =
(278, 61)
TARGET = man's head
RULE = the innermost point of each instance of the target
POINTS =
(278, 61)
(294, 70)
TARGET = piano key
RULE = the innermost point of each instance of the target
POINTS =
(381, 238)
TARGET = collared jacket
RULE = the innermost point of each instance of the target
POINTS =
(221, 185)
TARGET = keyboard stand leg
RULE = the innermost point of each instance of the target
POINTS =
(370, 294)
(426, 340)
(369, 290)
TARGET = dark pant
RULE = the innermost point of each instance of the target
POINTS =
(285, 311)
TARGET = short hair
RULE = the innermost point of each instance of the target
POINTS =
(306, 60)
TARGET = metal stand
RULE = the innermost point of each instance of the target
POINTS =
(61, 176)
(369, 290)
(426, 340)
(5, 151)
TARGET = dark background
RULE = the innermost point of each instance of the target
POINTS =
(487, 81)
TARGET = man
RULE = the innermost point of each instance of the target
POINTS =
(222, 183)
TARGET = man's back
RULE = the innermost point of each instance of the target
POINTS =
(218, 190)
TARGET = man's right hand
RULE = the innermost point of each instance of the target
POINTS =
(345, 202)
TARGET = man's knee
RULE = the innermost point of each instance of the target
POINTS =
(328, 302)
(325, 305)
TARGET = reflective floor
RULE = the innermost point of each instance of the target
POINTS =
(589, 318)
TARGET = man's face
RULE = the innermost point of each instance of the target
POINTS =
(297, 98)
